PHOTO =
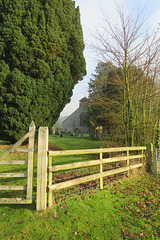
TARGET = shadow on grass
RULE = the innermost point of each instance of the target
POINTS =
(30, 207)
(4, 142)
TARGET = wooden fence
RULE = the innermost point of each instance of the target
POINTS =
(44, 154)
(129, 153)
(99, 162)
(29, 174)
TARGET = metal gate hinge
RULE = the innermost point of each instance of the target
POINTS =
(30, 198)
(32, 150)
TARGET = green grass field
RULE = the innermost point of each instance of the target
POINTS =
(125, 209)
(72, 142)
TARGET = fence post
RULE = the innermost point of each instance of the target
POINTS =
(42, 169)
(156, 161)
(30, 161)
(128, 162)
(50, 196)
(101, 170)
(150, 158)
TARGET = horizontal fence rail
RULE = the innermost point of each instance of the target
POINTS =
(14, 162)
(91, 163)
(80, 180)
(3, 188)
(100, 162)
(13, 175)
(89, 151)
(14, 201)
(14, 187)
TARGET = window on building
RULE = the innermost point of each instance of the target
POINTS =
(81, 119)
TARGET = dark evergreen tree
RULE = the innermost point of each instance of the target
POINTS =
(105, 97)
(41, 59)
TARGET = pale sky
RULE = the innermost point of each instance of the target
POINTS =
(91, 18)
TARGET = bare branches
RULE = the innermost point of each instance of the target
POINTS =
(135, 54)
(127, 43)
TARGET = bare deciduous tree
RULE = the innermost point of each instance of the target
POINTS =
(131, 47)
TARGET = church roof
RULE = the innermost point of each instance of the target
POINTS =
(84, 99)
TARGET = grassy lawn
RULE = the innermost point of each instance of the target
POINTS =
(72, 142)
(125, 209)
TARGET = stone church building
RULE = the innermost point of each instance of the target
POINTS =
(76, 120)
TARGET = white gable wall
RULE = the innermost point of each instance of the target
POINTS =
(75, 120)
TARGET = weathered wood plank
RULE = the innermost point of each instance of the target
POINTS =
(136, 156)
(14, 162)
(101, 170)
(136, 165)
(92, 163)
(128, 160)
(89, 151)
(80, 180)
(14, 201)
(32, 129)
(42, 165)
(13, 175)
(50, 184)
(4, 187)
(24, 150)
(16, 145)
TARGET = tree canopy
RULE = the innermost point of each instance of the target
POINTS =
(41, 59)
(134, 51)
(108, 101)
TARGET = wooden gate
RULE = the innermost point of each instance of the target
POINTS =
(29, 174)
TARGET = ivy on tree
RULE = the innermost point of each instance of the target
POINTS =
(41, 59)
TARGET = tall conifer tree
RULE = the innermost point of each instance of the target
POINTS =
(41, 59)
